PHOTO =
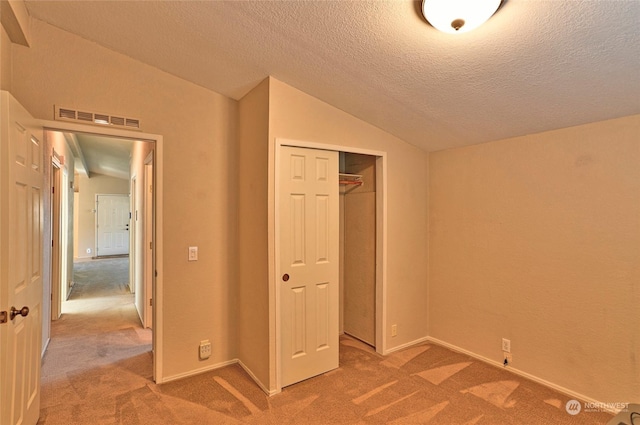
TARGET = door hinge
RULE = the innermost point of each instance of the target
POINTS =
(156, 273)
(150, 245)
(3, 317)
(150, 302)
(53, 189)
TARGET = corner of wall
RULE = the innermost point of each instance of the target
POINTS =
(252, 295)
(16, 21)
(5, 60)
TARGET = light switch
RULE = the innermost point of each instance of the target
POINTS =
(193, 253)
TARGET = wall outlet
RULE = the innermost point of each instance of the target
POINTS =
(507, 359)
(506, 345)
(394, 330)
(205, 349)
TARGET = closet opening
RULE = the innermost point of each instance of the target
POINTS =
(358, 246)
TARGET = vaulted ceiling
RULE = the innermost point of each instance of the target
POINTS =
(109, 156)
(536, 65)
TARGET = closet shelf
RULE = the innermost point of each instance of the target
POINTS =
(351, 179)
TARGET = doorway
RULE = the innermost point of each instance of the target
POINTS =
(378, 161)
(130, 214)
(358, 246)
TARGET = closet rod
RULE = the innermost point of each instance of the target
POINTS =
(351, 179)
(352, 182)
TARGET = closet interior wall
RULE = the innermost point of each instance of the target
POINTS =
(358, 248)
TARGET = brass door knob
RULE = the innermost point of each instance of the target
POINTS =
(24, 312)
(285, 277)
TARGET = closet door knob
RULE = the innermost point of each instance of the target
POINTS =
(285, 277)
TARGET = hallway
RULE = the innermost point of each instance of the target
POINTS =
(98, 348)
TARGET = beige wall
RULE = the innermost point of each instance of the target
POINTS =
(537, 239)
(55, 142)
(198, 129)
(89, 188)
(296, 115)
(253, 272)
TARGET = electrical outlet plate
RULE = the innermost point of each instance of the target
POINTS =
(394, 330)
(508, 358)
(506, 345)
(205, 349)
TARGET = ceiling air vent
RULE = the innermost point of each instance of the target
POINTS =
(97, 118)
(85, 116)
(133, 123)
(117, 121)
(68, 114)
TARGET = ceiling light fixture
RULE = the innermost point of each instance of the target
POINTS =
(456, 16)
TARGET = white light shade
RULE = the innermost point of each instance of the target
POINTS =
(446, 15)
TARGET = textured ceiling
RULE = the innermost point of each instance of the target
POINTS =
(535, 66)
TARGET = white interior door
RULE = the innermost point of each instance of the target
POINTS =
(309, 249)
(112, 225)
(21, 262)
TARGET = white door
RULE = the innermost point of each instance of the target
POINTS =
(309, 245)
(21, 225)
(112, 225)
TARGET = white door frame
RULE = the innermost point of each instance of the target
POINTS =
(64, 236)
(148, 240)
(55, 298)
(132, 233)
(158, 236)
(275, 354)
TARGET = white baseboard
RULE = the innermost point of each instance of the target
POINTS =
(566, 391)
(198, 371)
(257, 381)
(44, 350)
(406, 345)
(218, 366)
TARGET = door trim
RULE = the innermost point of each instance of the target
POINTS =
(157, 139)
(55, 298)
(275, 355)
(148, 239)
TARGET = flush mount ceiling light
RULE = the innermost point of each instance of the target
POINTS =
(456, 16)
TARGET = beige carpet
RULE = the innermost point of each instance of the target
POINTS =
(98, 371)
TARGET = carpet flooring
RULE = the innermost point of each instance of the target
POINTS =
(98, 370)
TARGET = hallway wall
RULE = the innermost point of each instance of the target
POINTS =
(88, 188)
(198, 129)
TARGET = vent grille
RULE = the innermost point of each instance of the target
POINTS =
(97, 118)
(85, 116)
(67, 114)
(132, 123)
(117, 121)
